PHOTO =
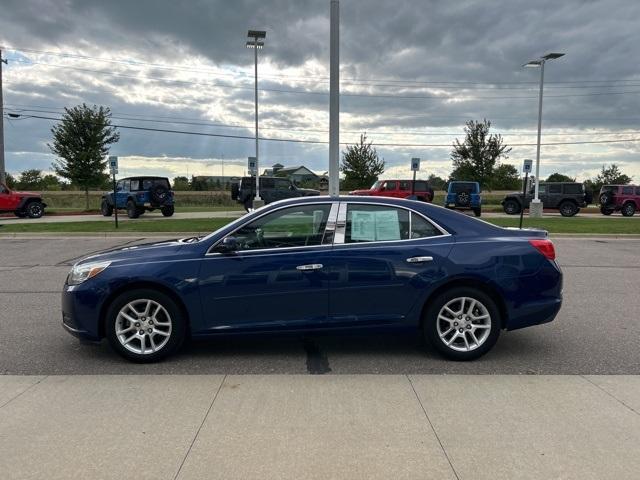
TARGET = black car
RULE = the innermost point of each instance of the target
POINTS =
(567, 197)
(271, 190)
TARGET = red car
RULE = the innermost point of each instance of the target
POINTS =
(622, 198)
(22, 204)
(398, 189)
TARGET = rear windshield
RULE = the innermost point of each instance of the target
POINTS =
(459, 187)
(609, 188)
(572, 188)
(147, 183)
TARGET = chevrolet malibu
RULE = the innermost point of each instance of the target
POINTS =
(320, 264)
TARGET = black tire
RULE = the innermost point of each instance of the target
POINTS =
(605, 211)
(511, 207)
(106, 209)
(175, 316)
(248, 205)
(430, 324)
(477, 212)
(568, 209)
(132, 210)
(628, 209)
(167, 210)
(35, 209)
(20, 214)
(159, 194)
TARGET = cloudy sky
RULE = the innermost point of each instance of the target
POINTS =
(412, 73)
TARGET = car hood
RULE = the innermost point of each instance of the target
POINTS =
(137, 252)
(25, 194)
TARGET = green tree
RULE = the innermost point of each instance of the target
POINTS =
(610, 175)
(559, 177)
(10, 180)
(361, 165)
(476, 157)
(50, 182)
(181, 183)
(30, 179)
(505, 177)
(81, 141)
(436, 182)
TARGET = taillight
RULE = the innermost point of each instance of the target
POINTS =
(545, 247)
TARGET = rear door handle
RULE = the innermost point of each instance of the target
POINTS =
(311, 266)
(419, 259)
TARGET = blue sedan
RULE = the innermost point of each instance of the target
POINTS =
(320, 264)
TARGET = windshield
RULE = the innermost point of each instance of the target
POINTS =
(376, 185)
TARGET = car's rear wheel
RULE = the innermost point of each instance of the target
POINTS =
(132, 210)
(144, 325)
(35, 209)
(462, 324)
(167, 210)
(248, 205)
(628, 209)
(511, 207)
(605, 211)
(106, 209)
(568, 209)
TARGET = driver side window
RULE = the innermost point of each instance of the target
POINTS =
(298, 226)
(2, 189)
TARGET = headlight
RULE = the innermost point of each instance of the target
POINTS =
(82, 273)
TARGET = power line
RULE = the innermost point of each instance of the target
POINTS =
(317, 79)
(321, 142)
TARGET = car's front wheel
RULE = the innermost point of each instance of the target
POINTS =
(605, 211)
(462, 324)
(511, 207)
(35, 209)
(568, 209)
(106, 209)
(477, 211)
(144, 325)
(628, 209)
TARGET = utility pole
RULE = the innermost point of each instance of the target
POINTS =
(3, 173)
(334, 100)
(256, 44)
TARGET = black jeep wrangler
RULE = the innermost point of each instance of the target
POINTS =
(567, 197)
(271, 190)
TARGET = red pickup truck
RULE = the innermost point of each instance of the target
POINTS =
(21, 204)
(398, 189)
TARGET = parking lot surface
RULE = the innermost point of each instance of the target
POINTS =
(596, 331)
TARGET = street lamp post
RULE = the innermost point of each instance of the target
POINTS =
(256, 44)
(535, 208)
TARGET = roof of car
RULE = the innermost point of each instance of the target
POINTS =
(142, 176)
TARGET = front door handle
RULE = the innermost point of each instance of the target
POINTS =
(311, 266)
(419, 259)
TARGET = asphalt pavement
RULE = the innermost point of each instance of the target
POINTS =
(596, 331)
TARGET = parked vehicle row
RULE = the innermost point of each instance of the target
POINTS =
(418, 190)
(271, 189)
(21, 204)
(566, 197)
(320, 264)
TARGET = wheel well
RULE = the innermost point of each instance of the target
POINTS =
(514, 199)
(631, 202)
(136, 285)
(471, 283)
(570, 200)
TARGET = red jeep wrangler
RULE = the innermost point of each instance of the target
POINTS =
(22, 204)
(398, 189)
(623, 198)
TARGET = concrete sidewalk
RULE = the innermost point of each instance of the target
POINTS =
(351, 426)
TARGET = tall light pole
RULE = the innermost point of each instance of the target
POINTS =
(334, 100)
(535, 208)
(3, 173)
(256, 44)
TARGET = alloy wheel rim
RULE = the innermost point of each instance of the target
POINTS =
(35, 209)
(464, 324)
(143, 326)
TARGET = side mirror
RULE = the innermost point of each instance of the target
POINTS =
(228, 245)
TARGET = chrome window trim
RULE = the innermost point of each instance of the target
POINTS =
(332, 210)
(342, 226)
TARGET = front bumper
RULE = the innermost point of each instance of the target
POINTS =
(80, 312)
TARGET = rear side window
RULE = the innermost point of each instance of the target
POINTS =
(421, 228)
(376, 223)
(637, 190)
(627, 190)
(556, 188)
(135, 185)
(573, 188)
(282, 184)
(405, 185)
(267, 183)
(389, 185)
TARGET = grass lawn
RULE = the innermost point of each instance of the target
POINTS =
(552, 224)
